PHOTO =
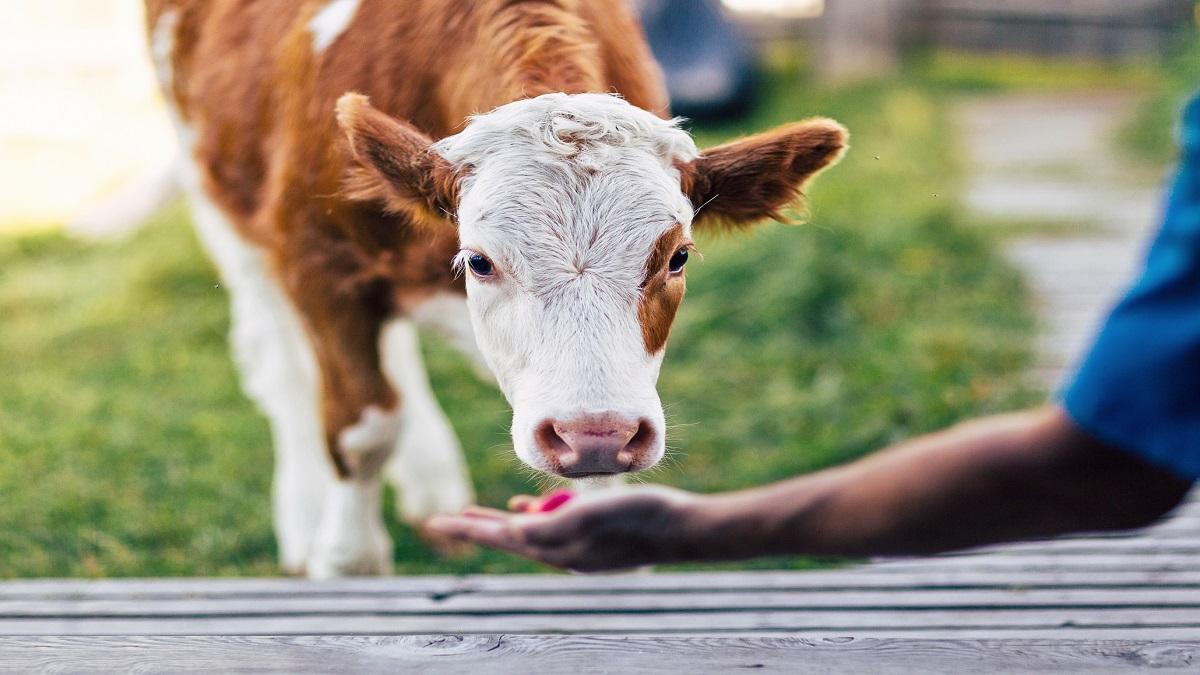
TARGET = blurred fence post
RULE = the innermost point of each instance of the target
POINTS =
(858, 39)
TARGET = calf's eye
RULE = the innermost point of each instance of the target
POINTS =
(480, 265)
(678, 261)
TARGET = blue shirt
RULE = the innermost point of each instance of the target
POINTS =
(1139, 387)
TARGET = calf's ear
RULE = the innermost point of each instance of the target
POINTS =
(751, 179)
(395, 164)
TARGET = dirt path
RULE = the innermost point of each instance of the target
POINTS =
(1047, 162)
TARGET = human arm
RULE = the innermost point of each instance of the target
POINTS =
(997, 479)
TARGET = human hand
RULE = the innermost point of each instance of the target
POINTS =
(612, 529)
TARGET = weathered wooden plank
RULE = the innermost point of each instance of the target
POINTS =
(482, 654)
(965, 633)
(1181, 529)
(1132, 560)
(590, 603)
(248, 586)
(1176, 545)
(866, 577)
(886, 576)
(1189, 508)
(1189, 523)
(850, 622)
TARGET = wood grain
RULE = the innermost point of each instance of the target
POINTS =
(484, 604)
(887, 576)
(483, 654)
(845, 621)
(1032, 560)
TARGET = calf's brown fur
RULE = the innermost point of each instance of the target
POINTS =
(260, 100)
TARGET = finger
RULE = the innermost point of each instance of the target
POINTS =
(446, 546)
(521, 503)
(495, 532)
(483, 512)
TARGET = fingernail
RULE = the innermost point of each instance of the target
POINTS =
(521, 503)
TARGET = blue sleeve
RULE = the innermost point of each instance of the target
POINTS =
(1139, 387)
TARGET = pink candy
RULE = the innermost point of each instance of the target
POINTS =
(552, 501)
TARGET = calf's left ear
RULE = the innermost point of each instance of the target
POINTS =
(395, 164)
(751, 179)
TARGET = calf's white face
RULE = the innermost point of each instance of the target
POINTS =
(575, 216)
(558, 218)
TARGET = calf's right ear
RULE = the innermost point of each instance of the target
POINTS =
(395, 164)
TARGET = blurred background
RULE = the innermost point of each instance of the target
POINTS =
(1006, 165)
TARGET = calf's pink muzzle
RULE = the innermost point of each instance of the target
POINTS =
(595, 444)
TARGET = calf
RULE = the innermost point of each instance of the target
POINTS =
(545, 231)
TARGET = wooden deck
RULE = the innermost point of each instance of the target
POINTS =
(1084, 604)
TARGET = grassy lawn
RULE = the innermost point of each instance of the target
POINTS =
(1150, 135)
(127, 448)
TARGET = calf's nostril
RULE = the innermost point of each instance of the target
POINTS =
(550, 443)
(637, 447)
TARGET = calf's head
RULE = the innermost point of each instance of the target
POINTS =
(575, 216)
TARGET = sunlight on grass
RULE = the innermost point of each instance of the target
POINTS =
(82, 112)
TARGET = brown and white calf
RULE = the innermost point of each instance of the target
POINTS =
(504, 172)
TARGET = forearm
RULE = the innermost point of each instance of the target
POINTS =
(999, 479)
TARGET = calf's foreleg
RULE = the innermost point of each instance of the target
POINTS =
(362, 418)
(428, 468)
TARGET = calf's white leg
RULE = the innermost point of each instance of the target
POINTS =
(351, 538)
(428, 469)
(278, 373)
(271, 350)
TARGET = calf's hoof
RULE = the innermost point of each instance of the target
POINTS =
(332, 567)
(341, 556)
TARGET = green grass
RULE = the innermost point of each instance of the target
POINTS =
(128, 449)
(1149, 136)
(981, 73)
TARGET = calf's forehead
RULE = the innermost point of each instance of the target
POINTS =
(584, 220)
(578, 178)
